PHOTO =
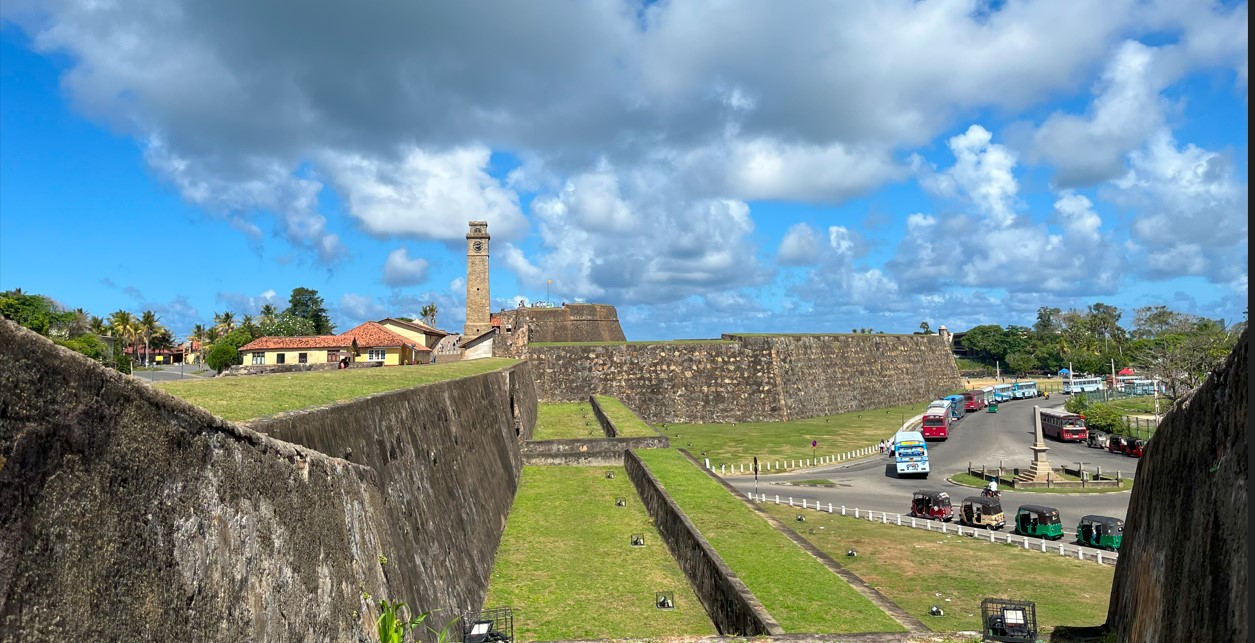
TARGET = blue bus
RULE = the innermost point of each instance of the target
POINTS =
(1003, 392)
(1082, 385)
(910, 454)
(957, 406)
(1024, 390)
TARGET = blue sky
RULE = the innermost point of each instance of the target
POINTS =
(707, 168)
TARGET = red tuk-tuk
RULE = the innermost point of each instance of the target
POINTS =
(1117, 444)
(934, 505)
(1134, 448)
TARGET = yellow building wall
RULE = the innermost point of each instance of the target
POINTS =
(392, 356)
(314, 356)
(421, 339)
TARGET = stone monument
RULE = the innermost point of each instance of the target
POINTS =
(478, 316)
(1039, 471)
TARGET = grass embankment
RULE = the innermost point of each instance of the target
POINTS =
(794, 587)
(567, 567)
(918, 569)
(741, 442)
(566, 420)
(1004, 483)
(252, 396)
(1141, 405)
(627, 422)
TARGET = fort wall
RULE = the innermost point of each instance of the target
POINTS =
(750, 378)
(1183, 563)
(126, 513)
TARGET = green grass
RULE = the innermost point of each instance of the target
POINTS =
(794, 587)
(975, 481)
(566, 565)
(628, 423)
(779, 441)
(252, 396)
(566, 420)
(912, 566)
(1141, 405)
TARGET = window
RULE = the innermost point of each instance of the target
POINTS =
(376, 354)
(259, 359)
(333, 356)
(280, 358)
(302, 358)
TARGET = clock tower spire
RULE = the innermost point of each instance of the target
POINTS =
(478, 315)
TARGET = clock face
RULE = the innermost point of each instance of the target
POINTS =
(478, 246)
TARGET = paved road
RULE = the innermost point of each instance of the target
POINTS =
(979, 438)
(174, 372)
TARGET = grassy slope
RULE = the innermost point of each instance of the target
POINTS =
(911, 567)
(567, 567)
(254, 396)
(565, 420)
(794, 587)
(625, 420)
(777, 441)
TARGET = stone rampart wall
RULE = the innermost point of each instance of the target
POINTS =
(665, 382)
(128, 515)
(750, 378)
(448, 463)
(731, 606)
(606, 424)
(592, 452)
(1183, 563)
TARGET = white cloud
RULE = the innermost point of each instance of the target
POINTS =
(981, 174)
(426, 195)
(355, 309)
(401, 270)
(242, 304)
(766, 168)
(799, 247)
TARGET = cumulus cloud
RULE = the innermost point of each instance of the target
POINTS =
(1192, 211)
(799, 247)
(354, 309)
(401, 270)
(981, 175)
(243, 304)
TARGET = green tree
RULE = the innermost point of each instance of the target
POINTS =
(429, 315)
(149, 325)
(224, 321)
(89, 345)
(36, 312)
(222, 356)
(305, 303)
(286, 325)
(924, 328)
(125, 330)
(985, 342)
(267, 313)
(1021, 363)
(1047, 324)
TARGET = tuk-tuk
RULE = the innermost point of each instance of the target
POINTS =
(1096, 438)
(977, 511)
(1103, 532)
(1038, 521)
(934, 505)
(1116, 443)
(1134, 447)
(992, 408)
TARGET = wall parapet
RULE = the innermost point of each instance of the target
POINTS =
(732, 607)
(606, 423)
(581, 452)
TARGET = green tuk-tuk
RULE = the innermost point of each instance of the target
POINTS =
(1103, 532)
(1038, 521)
(980, 511)
(992, 408)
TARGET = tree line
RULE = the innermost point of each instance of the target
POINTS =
(1179, 349)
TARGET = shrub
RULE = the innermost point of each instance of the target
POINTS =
(222, 356)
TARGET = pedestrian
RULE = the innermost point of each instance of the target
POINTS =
(882, 447)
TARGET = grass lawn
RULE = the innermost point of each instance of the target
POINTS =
(252, 396)
(629, 424)
(918, 569)
(568, 569)
(975, 481)
(566, 420)
(794, 587)
(778, 441)
(1141, 405)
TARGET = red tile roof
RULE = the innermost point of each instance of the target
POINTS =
(415, 325)
(372, 335)
(308, 341)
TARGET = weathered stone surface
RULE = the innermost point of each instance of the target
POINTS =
(569, 323)
(129, 515)
(1183, 568)
(590, 452)
(750, 378)
(732, 607)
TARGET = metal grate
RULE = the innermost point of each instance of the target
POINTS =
(490, 625)
(1009, 621)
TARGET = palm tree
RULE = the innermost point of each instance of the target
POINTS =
(225, 322)
(123, 326)
(98, 326)
(429, 315)
(268, 313)
(198, 334)
(149, 325)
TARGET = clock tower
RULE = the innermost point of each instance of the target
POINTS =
(478, 316)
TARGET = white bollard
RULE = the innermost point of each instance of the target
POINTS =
(830, 507)
(803, 503)
(856, 512)
(912, 522)
(1080, 555)
(777, 498)
(790, 501)
(842, 510)
(1099, 558)
(1043, 545)
(721, 470)
(991, 536)
(1008, 539)
(884, 518)
(1061, 550)
(928, 525)
(899, 520)
(943, 527)
(742, 467)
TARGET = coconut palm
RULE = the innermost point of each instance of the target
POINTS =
(268, 313)
(98, 326)
(224, 322)
(123, 327)
(198, 334)
(149, 325)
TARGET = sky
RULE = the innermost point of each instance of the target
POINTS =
(706, 167)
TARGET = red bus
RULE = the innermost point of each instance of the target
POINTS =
(936, 425)
(1063, 426)
(973, 400)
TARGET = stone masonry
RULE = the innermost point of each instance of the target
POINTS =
(478, 320)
